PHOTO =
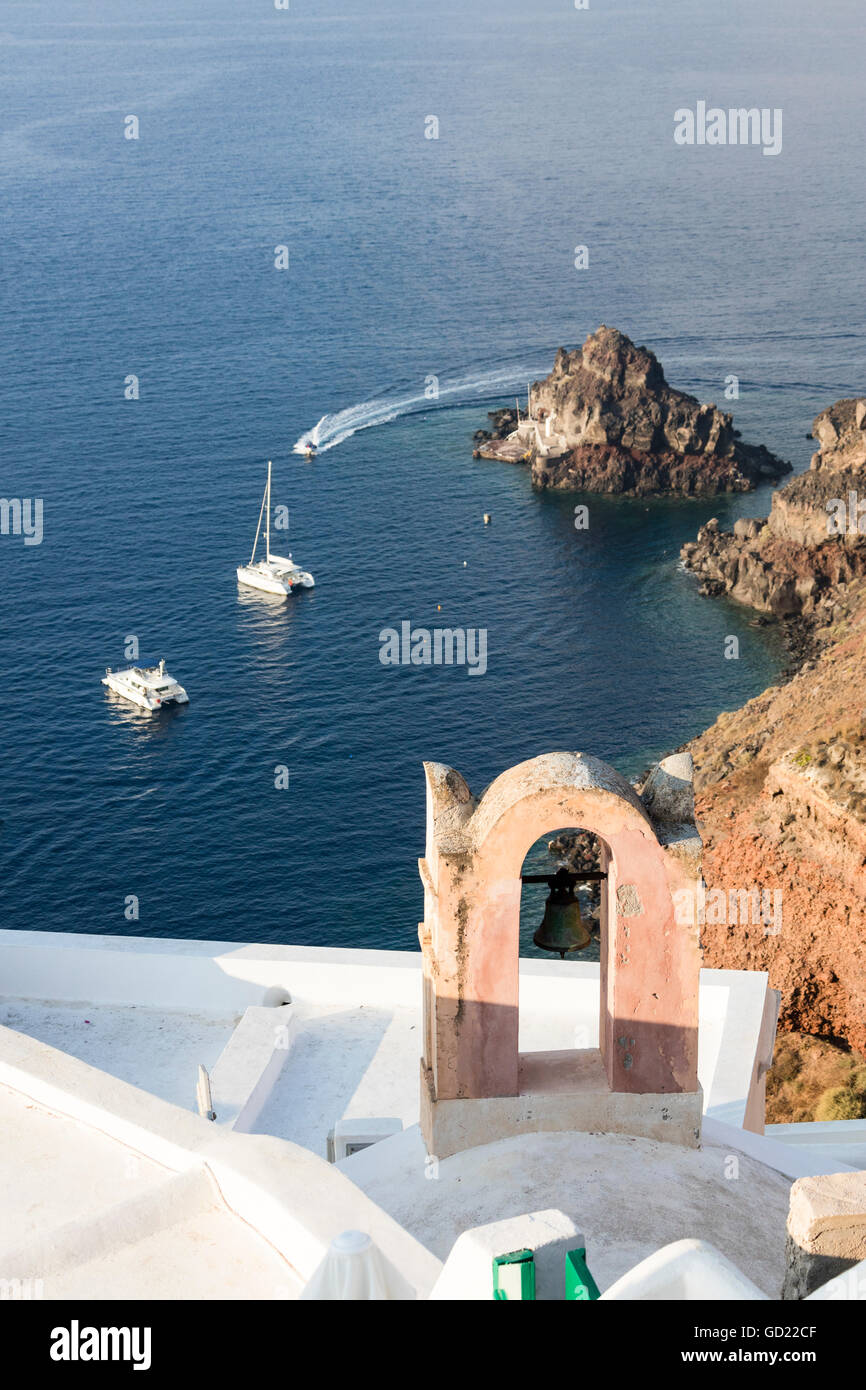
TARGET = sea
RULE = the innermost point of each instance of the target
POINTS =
(232, 226)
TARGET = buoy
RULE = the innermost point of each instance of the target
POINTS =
(439, 607)
(486, 518)
(465, 562)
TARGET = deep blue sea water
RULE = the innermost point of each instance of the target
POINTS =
(408, 258)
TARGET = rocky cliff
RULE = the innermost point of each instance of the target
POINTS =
(781, 783)
(617, 426)
(781, 798)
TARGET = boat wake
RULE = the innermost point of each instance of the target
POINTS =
(480, 385)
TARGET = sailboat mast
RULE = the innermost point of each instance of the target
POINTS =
(259, 527)
(268, 519)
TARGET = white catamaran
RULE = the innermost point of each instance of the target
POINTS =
(151, 687)
(274, 574)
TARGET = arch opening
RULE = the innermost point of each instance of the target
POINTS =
(579, 851)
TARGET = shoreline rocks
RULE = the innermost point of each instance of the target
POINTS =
(794, 566)
(579, 851)
(627, 472)
(504, 422)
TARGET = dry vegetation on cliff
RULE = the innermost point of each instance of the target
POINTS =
(812, 1079)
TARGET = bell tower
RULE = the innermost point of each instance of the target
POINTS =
(642, 1078)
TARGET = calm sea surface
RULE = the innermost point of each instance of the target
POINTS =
(408, 258)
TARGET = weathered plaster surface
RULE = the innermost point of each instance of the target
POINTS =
(628, 1196)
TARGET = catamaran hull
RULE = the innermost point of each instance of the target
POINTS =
(266, 582)
(271, 583)
(143, 701)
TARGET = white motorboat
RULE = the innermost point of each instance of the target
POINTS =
(151, 687)
(274, 574)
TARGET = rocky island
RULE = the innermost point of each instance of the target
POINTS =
(606, 420)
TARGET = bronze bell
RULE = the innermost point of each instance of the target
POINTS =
(561, 927)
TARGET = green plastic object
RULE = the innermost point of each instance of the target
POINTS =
(579, 1283)
(514, 1276)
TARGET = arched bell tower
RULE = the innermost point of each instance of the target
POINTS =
(642, 1079)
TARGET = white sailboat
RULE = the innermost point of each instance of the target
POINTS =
(274, 574)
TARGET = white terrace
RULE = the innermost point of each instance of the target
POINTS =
(111, 1178)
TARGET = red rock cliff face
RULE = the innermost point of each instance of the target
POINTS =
(781, 799)
(622, 429)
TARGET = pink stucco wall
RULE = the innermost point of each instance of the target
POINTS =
(471, 871)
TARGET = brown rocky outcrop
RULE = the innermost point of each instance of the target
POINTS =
(502, 422)
(841, 434)
(619, 427)
(578, 850)
(613, 468)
